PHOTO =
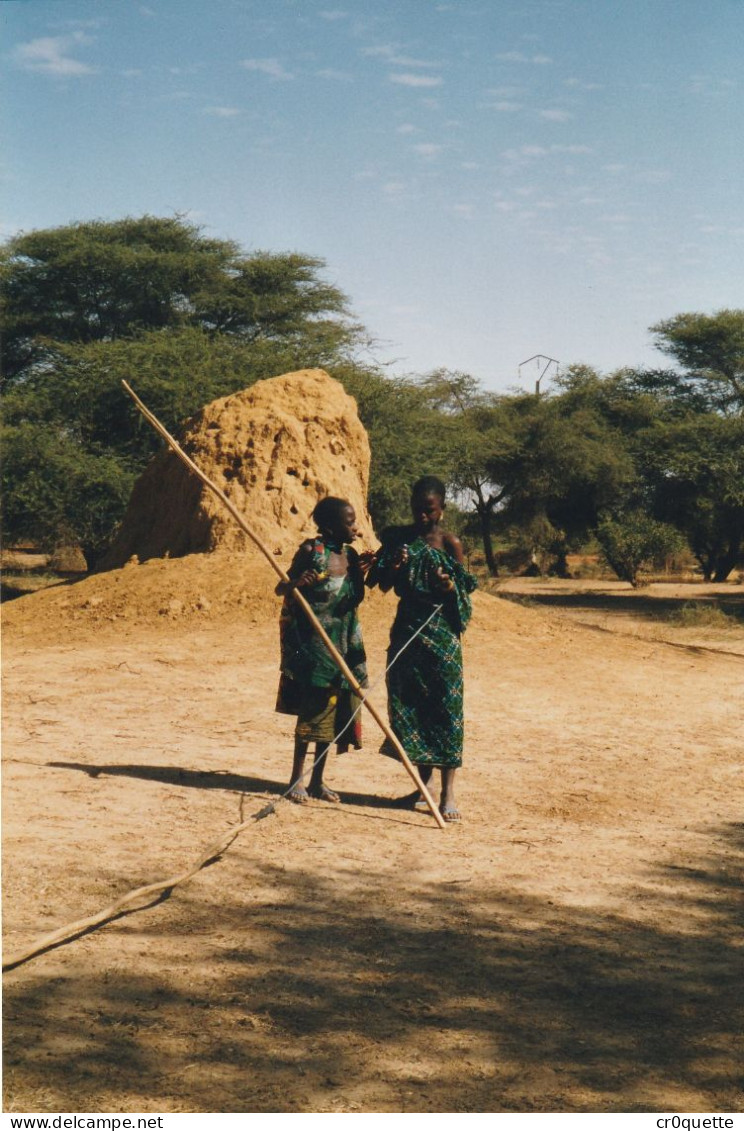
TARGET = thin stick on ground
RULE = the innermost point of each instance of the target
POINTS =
(335, 654)
(136, 900)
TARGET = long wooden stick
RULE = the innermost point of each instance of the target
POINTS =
(136, 900)
(336, 655)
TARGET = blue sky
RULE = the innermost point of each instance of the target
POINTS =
(485, 180)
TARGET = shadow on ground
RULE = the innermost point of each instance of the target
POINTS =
(370, 999)
(216, 779)
(636, 603)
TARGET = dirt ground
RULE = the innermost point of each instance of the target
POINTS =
(574, 945)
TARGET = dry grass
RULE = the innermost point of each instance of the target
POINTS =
(699, 614)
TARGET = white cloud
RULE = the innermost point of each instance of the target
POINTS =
(579, 84)
(390, 54)
(507, 107)
(526, 151)
(655, 177)
(520, 57)
(406, 128)
(270, 67)
(427, 149)
(335, 76)
(222, 111)
(555, 115)
(334, 14)
(416, 80)
(463, 210)
(505, 91)
(407, 61)
(50, 55)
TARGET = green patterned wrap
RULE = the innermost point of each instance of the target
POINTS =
(306, 663)
(425, 685)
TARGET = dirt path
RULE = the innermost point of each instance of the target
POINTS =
(575, 945)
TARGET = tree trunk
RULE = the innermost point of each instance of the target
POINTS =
(484, 513)
(559, 567)
(726, 561)
(705, 561)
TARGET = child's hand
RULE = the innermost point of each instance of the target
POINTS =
(443, 581)
(366, 560)
(308, 578)
(400, 557)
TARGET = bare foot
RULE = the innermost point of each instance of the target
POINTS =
(450, 813)
(323, 793)
(299, 795)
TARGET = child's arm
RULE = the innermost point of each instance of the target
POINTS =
(452, 546)
(381, 567)
(301, 574)
(356, 573)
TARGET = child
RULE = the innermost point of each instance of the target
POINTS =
(424, 564)
(326, 569)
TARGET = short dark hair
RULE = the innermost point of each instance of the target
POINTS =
(428, 485)
(328, 511)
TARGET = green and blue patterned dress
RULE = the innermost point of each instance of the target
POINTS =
(425, 685)
(311, 685)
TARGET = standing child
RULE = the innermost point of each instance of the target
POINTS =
(326, 569)
(424, 565)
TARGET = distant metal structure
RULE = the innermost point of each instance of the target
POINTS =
(539, 358)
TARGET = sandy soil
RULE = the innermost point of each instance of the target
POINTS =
(574, 945)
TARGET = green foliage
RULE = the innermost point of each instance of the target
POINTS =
(694, 470)
(571, 464)
(181, 317)
(58, 494)
(404, 432)
(711, 348)
(175, 371)
(186, 319)
(697, 614)
(102, 281)
(631, 540)
(474, 428)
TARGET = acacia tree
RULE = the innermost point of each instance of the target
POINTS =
(401, 423)
(538, 468)
(690, 452)
(570, 464)
(695, 471)
(474, 426)
(153, 301)
(710, 347)
(104, 281)
(632, 539)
